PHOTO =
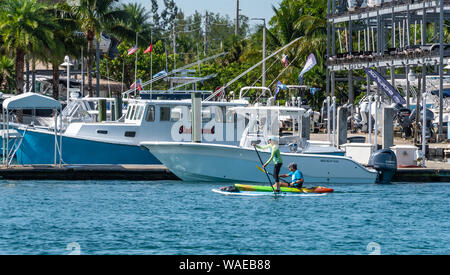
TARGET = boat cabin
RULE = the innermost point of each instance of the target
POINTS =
(163, 120)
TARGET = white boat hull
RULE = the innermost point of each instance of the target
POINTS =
(212, 162)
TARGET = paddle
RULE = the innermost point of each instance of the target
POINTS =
(260, 169)
(265, 171)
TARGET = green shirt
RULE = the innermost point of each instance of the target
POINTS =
(275, 153)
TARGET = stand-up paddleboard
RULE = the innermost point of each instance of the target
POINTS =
(257, 193)
(265, 188)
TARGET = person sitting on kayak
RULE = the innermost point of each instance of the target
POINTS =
(296, 177)
(275, 156)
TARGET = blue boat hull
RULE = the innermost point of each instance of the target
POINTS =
(39, 148)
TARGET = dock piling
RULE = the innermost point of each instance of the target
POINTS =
(196, 117)
(306, 126)
(342, 125)
(101, 110)
(117, 106)
(388, 128)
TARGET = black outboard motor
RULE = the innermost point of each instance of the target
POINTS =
(402, 116)
(385, 162)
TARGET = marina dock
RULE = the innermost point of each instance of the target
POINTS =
(87, 172)
(434, 172)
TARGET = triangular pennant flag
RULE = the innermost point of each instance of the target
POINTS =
(309, 64)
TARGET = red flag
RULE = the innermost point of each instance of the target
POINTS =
(137, 85)
(149, 49)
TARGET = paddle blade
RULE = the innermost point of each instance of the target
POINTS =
(260, 169)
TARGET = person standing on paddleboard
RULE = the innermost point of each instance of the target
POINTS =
(275, 156)
(296, 177)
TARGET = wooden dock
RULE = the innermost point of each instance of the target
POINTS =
(87, 172)
(422, 175)
(434, 172)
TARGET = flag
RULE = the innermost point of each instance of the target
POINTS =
(385, 86)
(285, 60)
(137, 85)
(132, 50)
(149, 49)
(280, 86)
(309, 64)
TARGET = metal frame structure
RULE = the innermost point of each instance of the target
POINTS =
(395, 37)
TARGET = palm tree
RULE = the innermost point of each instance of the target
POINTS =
(315, 32)
(96, 16)
(24, 28)
(67, 41)
(285, 22)
(135, 21)
(6, 73)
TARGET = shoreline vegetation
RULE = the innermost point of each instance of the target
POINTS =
(54, 29)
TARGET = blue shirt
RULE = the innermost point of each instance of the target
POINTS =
(297, 175)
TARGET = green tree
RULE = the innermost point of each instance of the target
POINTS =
(24, 28)
(6, 73)
(96, 16)
(305, 19)
(134, 21)
(66, 38)
(169, 14)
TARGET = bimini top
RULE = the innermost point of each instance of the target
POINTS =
(31, 101)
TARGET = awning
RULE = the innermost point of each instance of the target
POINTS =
(31, 101)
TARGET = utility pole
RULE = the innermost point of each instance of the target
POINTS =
(263, 51)
(174, 47)
(236, 30)
(264, 55)
(205, 37)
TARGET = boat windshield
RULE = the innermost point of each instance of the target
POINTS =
(266, 122)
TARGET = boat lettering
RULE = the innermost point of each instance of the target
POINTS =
(329, 160)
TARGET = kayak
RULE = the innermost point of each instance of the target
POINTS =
(266, 188)
(258, 194)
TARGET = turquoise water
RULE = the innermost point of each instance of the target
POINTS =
(120, 217)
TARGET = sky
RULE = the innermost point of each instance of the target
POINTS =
(250, 8)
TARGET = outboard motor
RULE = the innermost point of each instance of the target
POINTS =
(385, 162)
(402, 117)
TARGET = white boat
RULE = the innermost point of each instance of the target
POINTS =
(215, 162)
(157, 116)
(117, 142)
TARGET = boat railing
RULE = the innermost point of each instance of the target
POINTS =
(11, 135)
(244, 91)
(164, 75)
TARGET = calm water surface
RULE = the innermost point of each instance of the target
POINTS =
(121, 217)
